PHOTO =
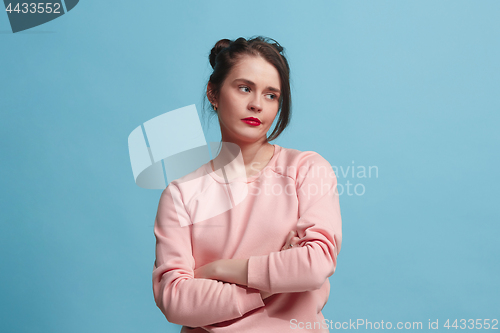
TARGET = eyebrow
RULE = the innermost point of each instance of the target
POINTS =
(253, 84)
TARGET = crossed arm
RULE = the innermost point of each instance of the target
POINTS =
(195, 297)
(236, 270)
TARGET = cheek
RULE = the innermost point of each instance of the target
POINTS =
(273, 117)
(228, 104)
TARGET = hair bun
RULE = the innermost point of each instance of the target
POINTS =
(219, 46)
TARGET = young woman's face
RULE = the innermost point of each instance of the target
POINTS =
(252, 89)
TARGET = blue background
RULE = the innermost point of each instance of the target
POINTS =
(411, 87)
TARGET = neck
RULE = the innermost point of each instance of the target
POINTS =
(236, 158)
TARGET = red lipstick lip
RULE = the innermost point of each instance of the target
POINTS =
(252, 119)
(251, 122)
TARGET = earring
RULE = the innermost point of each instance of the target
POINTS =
(215, 108)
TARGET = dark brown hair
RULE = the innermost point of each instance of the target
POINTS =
(226, 53)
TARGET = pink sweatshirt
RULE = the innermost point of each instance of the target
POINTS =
(201, 218)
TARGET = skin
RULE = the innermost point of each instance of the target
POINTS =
(239, 99)
(251, 89)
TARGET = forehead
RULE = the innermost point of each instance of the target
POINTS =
(256, 69)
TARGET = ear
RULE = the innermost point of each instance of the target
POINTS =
(211, 98)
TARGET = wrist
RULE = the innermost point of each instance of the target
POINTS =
(231, 270)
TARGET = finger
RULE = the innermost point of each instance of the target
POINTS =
(286, 246)
(288, 238)
(294, 241)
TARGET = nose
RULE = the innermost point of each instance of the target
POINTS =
(255, 105)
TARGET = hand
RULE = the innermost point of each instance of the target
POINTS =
(215, 271)
(291, 239)
(206, 271)
(225, 270)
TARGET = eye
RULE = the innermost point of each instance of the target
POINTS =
(273, 96)
(244, 87)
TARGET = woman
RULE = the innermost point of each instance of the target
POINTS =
(246, 243)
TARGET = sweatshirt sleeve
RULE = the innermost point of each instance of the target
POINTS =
(183, 299)
(319, 227)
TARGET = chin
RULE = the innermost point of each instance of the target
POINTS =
(248, 139)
